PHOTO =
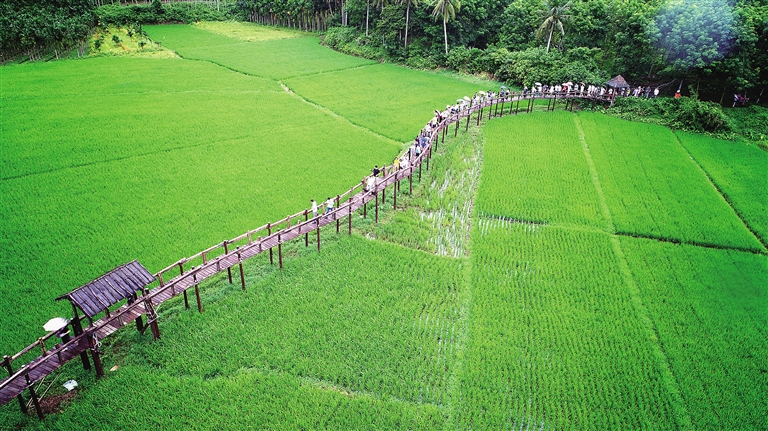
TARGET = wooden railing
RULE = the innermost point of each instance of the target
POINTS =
(273, 235)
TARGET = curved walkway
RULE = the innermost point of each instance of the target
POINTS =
(250, 244)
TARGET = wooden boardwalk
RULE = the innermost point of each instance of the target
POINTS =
(273, 235)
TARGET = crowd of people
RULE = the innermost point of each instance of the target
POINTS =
(420, 143)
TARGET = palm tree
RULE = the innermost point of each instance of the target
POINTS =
(408, 4)
(554, 14)
(448, 9)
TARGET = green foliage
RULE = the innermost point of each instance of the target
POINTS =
(686, 113)
(156, 12)
(739, 171)
(708, 308)
(36, 24)
(750, 122)
(659, 191)
(538, 65)
(693, 33)
(537, 177)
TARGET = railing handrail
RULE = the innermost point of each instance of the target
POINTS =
(207, 263)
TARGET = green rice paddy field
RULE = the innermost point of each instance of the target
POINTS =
(609, 275)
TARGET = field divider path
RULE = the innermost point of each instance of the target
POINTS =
(277, 233)
(671, 384)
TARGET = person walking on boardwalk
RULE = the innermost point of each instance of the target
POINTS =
(370, 184)
(376, 171)
(329, 205)
(314, 208)
(396, 163)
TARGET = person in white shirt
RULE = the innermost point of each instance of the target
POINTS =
(329, 205)
(314, 208)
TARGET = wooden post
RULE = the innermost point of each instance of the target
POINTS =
(96, 356)
(306, 235)
(549, 101)
(139, 320)
(350, 217)
(554, 102)
(490, 110)
(151, 315)
(428, 156)
(410, 183)
(20, 397)
(338, 198)
(419, 172)
(186, 299)
(377, 209)
(394, 194)
(456, 133)
(242, 276)
(229, 270)
(445, 129)
(280, 250)
(318, 235)
(365, 210)
(269, 232)
(479, 114)
(516, 107)
(197, 294)
(469, 115)
(35, 400)
(77, 327)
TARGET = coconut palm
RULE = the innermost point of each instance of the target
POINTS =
(447, 9)
(554, 15)
(408, 4)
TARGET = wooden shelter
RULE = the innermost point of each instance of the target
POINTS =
(617, 81)
(121, 283)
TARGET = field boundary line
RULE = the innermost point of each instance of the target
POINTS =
(722, 194)
(682, 418)
(606, 212)
(323, 72)
(118, 159)
(691, 243)
(334, 114)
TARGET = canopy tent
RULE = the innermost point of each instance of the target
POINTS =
(617, 81)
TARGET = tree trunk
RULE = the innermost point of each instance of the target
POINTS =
(367, 12)
(549, 40)
(445, 32)
(407, 12)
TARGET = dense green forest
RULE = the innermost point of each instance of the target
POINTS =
(713, 48)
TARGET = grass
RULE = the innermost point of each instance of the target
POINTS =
(537, 177)
(273, 59)
(553, 340)
(391, 100)
(708, 307)
(739, 172)
(523, 326)
(116, 171)
(248, 32)
(654, 189)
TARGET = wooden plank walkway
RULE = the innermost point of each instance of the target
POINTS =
(42, 366)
